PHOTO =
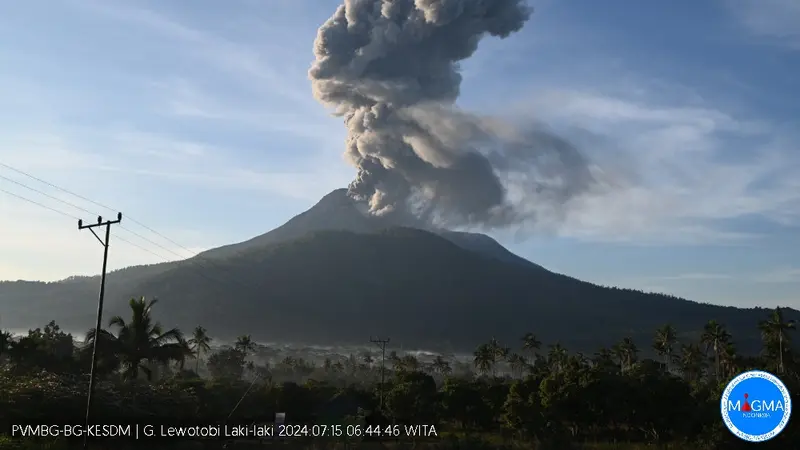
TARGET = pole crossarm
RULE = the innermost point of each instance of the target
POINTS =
(99, 223)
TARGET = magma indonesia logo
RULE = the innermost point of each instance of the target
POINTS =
(756, 406)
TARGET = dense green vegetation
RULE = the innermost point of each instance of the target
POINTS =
(522, 394)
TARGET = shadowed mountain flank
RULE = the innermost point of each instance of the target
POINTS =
(336, 274)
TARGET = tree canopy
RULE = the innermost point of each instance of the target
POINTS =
(521, 394)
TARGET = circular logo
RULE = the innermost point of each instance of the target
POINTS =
(756, 406)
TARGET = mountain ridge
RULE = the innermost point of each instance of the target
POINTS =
(429, 292)
(323, 276)
(337, 211)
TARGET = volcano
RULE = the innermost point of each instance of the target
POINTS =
(336, 275)
(337, 211)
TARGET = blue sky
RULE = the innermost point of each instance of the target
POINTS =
(198, 121)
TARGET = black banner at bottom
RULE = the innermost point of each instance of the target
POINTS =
(157, 430)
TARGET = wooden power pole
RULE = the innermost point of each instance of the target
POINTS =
(382, 344)
(104, 243)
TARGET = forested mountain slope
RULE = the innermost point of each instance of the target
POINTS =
(333, 274)
(421, 290)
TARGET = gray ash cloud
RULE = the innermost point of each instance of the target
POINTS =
(390, 68)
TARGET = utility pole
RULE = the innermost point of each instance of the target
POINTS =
(382, 344)
(104, 243)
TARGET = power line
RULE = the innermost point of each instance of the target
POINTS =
(76, 207)
(57, 187)
(75, 217)
(163, 259)
(152, 242)
(196, 258)
(38, 204)
(46, 195)
(197, 272)
(86, 210)
(131, 219)
(25, 199)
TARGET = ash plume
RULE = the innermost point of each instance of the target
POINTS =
(390, 68)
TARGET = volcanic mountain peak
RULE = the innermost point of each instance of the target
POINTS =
(337, 211)
(335, 202)
(336, 274)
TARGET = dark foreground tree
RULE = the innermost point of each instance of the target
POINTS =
(200, 345)
(141, 340)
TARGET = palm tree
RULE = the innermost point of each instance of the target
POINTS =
(557, 356)
(185, 351)
(775, 330)
(245, 344)
(200, 344)
(484, 358)
(531, 343)
(715, 338)
(664, 343)
(499, 353)
(691, 361)
(142, 340)
(626, 352)
(517, 363)
(728, 359)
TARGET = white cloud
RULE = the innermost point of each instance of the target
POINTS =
(268, 69)
(775, 20)
(185, 99)
(42, 149)
(698, 276)
(304, 185)
(674, 174)
(780, 275)
(136, 144)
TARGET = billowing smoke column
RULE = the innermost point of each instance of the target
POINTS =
(390, 68)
